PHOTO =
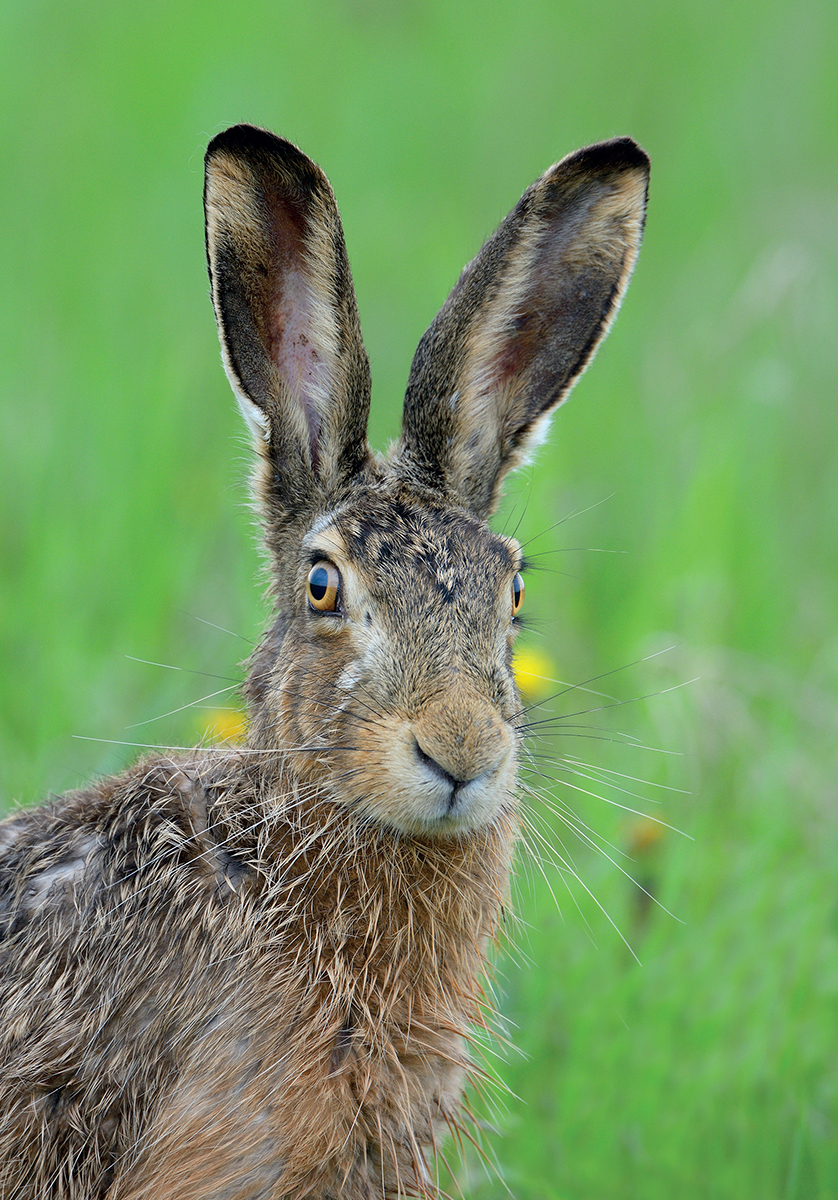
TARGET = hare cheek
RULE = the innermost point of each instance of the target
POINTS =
(348, 678)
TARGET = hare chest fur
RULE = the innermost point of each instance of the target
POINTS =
(254, 972)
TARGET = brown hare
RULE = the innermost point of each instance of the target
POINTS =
(253, 972)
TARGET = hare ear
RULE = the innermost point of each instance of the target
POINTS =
(522, 324)
(287, 317)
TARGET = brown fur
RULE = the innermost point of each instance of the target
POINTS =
(254, 973)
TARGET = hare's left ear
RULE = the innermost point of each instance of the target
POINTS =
(522, 324)
(287, 317)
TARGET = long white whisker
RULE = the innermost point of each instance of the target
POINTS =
(574, 822)
(147, 662)
(220, 628)
(587, 839)
(563, 866)
(192, 704)
(632, 778)
(615, 803)
(606, 675)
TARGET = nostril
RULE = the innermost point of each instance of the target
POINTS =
(436, 767)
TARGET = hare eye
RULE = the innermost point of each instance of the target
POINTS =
(518, 592)
(323, 587)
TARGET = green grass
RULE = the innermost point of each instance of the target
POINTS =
(704, 437)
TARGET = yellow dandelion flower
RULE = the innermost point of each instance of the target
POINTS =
(225, 725)
(535, 673)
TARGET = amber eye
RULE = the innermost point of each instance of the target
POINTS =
(323, 587)
(518, 591)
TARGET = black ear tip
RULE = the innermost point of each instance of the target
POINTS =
(627, 153)
(240, 137)
(617, 154)
(265, 153)
(247, 141)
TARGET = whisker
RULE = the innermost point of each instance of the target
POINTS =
(523, 498)
(220, 628)
(339, 708)
(633, 778)
(617, 804)
(186, 670)
(563, 866)
(616, 736)
(532, 563)
(211, 748)
(568, 687)
(569, 818)
(588, 841)
(577, 512)
(183, 707)
(605, 912)
(605, 675)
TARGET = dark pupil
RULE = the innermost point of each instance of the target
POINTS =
(516, 591)
(319, 583)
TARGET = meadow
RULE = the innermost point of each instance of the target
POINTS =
(671, 984)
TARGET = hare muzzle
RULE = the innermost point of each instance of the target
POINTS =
(464, 748)
(450, 770)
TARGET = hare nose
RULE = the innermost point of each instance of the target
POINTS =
(437, 768)
(454, 768)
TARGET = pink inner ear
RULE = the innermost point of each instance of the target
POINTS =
(298, 340)
(297, 357)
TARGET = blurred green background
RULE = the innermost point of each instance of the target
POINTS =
(697, 458)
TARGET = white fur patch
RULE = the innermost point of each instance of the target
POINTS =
(257, 421)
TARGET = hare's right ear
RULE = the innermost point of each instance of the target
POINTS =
(287, 317)
(522, 324)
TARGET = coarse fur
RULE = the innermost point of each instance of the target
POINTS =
(254, 972)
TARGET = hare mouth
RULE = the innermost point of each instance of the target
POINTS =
(453, 787)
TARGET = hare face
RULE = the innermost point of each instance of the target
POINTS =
(402, 689)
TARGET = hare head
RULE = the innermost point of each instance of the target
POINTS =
(386, 678)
